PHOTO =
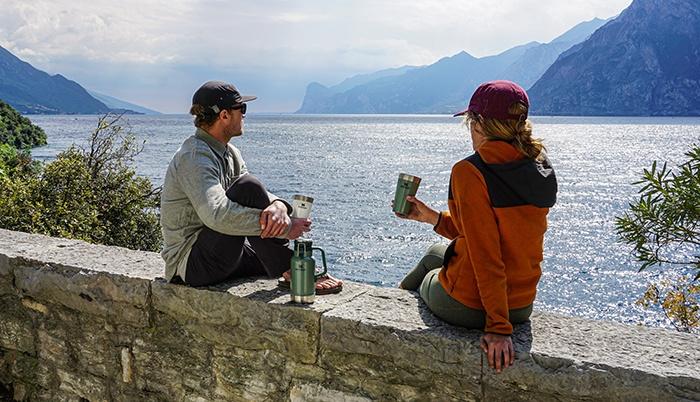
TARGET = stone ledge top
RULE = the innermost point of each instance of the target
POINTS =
(80, 254)
(550, 341)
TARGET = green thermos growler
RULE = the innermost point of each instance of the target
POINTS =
(303, 267)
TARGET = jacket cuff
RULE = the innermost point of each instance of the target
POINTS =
(437, 225)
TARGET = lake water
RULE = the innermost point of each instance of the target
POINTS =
(349, 164)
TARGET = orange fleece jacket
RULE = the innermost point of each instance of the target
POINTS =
(498, 204)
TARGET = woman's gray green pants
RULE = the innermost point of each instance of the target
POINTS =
(424, 279)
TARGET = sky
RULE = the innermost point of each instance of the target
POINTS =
(156, 53)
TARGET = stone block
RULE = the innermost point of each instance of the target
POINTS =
(32, 305)
(127, 363)
(229, 320)
(18, 370)
(250, 375)
(52, 348)
(116, 297)
(309, 373)
(85, 321)
(20, 392)
(310, 392)
(390, 337)
(171, 362)
(16, 327)
(6, 276)
(69, 339)
(565, 358)
(83, 385)
(94, 350)
(33, 249)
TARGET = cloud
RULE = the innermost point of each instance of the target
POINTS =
(296, 18)
(102, 41)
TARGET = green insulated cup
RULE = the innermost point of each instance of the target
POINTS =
(304, 276)
(407, 185)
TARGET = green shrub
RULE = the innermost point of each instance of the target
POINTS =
(90, 194)
(17, 130)
(15, 162)
(662, 225)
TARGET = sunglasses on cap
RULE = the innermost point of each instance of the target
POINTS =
(243, 107)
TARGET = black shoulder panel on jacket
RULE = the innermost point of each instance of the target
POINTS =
(522, 182)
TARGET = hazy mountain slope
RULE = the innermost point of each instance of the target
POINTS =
(33, 91)
(645, 62)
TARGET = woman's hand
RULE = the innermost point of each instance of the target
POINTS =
(420, 212)
(499, 350)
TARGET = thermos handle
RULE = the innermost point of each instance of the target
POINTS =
(323, 257)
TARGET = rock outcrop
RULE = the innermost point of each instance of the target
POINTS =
(645, 62)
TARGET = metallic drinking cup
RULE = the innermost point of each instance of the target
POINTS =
(407, 185)
(301, 206)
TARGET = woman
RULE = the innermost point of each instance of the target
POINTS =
(498, 202)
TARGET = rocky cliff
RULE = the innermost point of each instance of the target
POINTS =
(645, 62)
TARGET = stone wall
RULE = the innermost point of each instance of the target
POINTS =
(85, 322)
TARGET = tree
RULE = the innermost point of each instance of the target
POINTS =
(17, 131)
(88, 193)
(15, 162)
(663, 227)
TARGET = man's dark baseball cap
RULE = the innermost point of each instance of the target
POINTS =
(493, 99)
(219, 95)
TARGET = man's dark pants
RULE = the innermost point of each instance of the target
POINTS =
(216, 257)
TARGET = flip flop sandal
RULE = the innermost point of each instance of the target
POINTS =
(285, 284)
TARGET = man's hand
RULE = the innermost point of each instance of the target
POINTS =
(274, 221)
(420, 212)
(299, 227)
(499, 350)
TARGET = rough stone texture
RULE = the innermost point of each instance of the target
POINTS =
(305, 392)
(93, 322)
(117, 297)
(387, 342)
(6, 277)
(15, 326)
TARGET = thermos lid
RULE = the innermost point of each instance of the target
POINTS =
(408, 177)
(302, 248)
(302, 198)
(302, 245)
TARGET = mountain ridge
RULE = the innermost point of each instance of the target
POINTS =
(645, 62)
(32, 91)
(443, 86)
(118, 104)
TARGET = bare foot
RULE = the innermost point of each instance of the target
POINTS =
(328, 282)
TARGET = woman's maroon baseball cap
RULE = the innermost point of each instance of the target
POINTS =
(493, 99)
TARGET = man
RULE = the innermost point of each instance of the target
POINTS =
(218, 221)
